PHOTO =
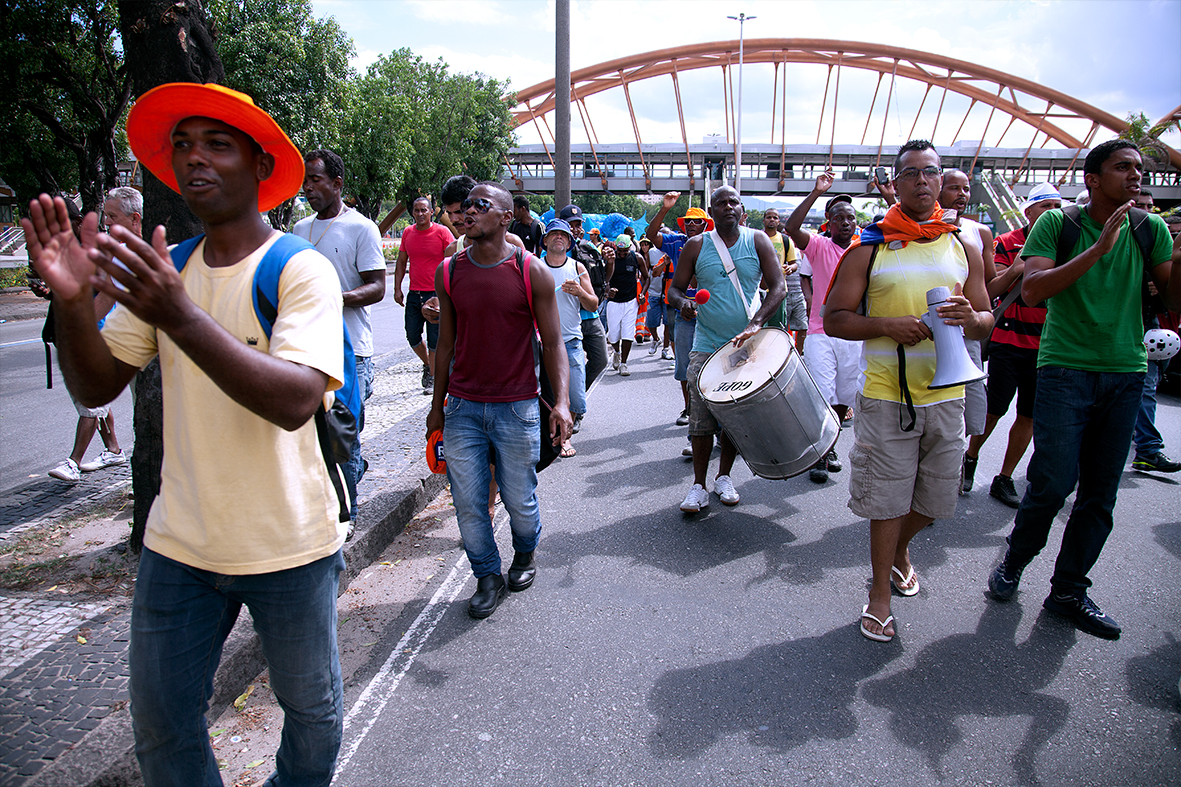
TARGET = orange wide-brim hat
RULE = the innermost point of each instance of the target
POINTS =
(156, 113)
(696, 213)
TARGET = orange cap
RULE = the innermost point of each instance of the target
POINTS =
(156, 113)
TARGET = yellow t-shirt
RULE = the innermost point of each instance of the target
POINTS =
(898, 284)
(239, 494)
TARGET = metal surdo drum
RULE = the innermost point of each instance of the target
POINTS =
(769, 405)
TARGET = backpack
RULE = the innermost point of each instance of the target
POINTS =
(336, 428)
(1141, 232)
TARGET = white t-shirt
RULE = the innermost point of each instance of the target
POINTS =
(352, 244)
(239, 494)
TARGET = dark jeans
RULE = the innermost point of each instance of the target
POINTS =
(180, 619)
(594, 345)
(1082, 428)
(415, 321)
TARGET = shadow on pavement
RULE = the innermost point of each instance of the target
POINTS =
(986, 673)
(778, 696)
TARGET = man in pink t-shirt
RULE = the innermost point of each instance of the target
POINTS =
(833, 363)
(422, 248)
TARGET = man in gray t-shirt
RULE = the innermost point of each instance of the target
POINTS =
(353, 244)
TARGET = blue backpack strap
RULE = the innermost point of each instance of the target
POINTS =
(266, 278)
(183, 250)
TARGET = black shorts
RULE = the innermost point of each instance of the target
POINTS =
(1011, 370)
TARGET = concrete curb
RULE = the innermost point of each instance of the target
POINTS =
(105, 757)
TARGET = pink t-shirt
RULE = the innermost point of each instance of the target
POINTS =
(425, 251)
(822, 258)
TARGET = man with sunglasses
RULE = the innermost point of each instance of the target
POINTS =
(487, 378)
(905, 463)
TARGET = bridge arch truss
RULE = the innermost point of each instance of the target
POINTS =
(1003, 95)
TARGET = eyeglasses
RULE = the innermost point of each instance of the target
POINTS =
(479, 203)
(912, 173)
(694, 221)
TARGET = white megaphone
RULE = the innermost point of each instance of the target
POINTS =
(953, 365)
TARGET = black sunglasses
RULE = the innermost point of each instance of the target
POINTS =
(479, 203)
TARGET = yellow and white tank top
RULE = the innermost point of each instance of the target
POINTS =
(898, 284)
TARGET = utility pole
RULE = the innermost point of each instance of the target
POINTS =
(741, 19)
(562, 105)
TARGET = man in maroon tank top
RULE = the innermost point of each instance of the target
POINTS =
(485, 372)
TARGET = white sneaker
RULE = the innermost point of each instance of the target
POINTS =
(666, 354)
(66, 471)
(614, 359)
(688, 450)
(105, 459)
(696, 500)
(724, 488)
(652, 350)
(623, 372)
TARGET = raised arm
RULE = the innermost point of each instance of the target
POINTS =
(92, 373)
(668, 203)
(795, 222)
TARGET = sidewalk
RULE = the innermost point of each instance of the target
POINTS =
(63, 665)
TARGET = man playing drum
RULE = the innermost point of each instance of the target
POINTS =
(906, 456)
(726, 317)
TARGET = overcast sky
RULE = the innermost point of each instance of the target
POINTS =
(1118, 55)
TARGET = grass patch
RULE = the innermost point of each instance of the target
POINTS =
(13, 277)
(26, 576)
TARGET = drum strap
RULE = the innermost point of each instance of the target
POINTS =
(732, 271)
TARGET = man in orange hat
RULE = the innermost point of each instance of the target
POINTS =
(693, 223)
(246, 512)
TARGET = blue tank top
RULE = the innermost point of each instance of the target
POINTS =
(723, 316)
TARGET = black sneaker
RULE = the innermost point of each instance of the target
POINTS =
(832, 462)
(968, 475)
(1003, 581)
(683, 418)
(1004, 491)
(1157, 462)
(1084, 613)
(428, 381)
(819, 473)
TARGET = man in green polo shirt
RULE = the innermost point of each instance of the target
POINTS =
(1091, 366)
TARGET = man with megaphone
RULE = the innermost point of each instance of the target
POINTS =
(909, 429)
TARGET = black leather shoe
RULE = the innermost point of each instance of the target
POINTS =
(489, 592)
(521, 572)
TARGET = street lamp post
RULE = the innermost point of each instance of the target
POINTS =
(741, 19)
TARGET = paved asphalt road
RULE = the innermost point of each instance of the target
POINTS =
(722, 648)
(37, 425)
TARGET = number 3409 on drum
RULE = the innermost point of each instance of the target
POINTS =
(737, 385)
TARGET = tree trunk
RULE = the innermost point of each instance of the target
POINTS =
(163, 41)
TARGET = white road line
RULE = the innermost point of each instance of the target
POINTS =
(402, 659)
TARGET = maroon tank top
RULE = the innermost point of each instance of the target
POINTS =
(493, 331)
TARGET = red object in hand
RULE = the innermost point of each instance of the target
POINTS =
(435, 459)
(702, 296)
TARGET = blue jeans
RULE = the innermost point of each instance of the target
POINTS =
(180, 619)
(1082, 427)
(577, 376)
(1147, 437)
(656, 315)
(354, 469)
(475, 434)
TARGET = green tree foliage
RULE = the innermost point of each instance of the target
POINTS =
(67, 92)
(1147, 137)
(444, 123)
(293, 65)
(540, 203)
(625, 204)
